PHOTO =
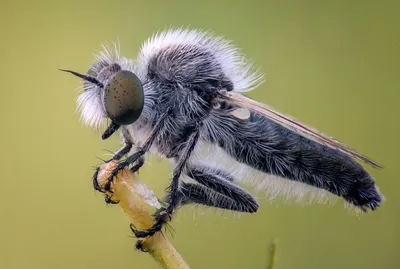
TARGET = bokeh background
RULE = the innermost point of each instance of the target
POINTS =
(331, 64)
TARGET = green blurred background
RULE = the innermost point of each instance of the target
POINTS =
(331, 64)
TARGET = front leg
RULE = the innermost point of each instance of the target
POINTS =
(117, 156)
(140, 151)
(163, 215)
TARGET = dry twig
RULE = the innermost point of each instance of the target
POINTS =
(134, 198)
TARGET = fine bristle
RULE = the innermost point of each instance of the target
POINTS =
(364, 194)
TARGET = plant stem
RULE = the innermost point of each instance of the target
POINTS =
(272, 255)
(128, 190)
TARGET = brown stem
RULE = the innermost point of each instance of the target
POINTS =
(129, 190)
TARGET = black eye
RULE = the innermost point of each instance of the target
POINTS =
(124, 97)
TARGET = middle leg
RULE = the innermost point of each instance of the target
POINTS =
(163, 215)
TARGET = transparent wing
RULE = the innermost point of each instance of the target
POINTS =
(243, 101)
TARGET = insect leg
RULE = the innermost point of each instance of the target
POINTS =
(117, 156)
(108, 200)
(163, 215)
(216, 189)
(200, 194)
(139, 152)
(125, 149)
(96, 185)
(138, 164)
(122, 151)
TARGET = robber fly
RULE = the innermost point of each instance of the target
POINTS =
(183, 99)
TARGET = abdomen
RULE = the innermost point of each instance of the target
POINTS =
(264, 145)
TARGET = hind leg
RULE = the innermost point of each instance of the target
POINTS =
(199, 194)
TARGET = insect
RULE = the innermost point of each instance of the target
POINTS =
(183, 98)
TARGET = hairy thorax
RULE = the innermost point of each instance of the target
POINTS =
(183, 80)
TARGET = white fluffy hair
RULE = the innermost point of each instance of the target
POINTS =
(234, 65)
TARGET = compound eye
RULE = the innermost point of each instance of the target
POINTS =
(124, 97)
